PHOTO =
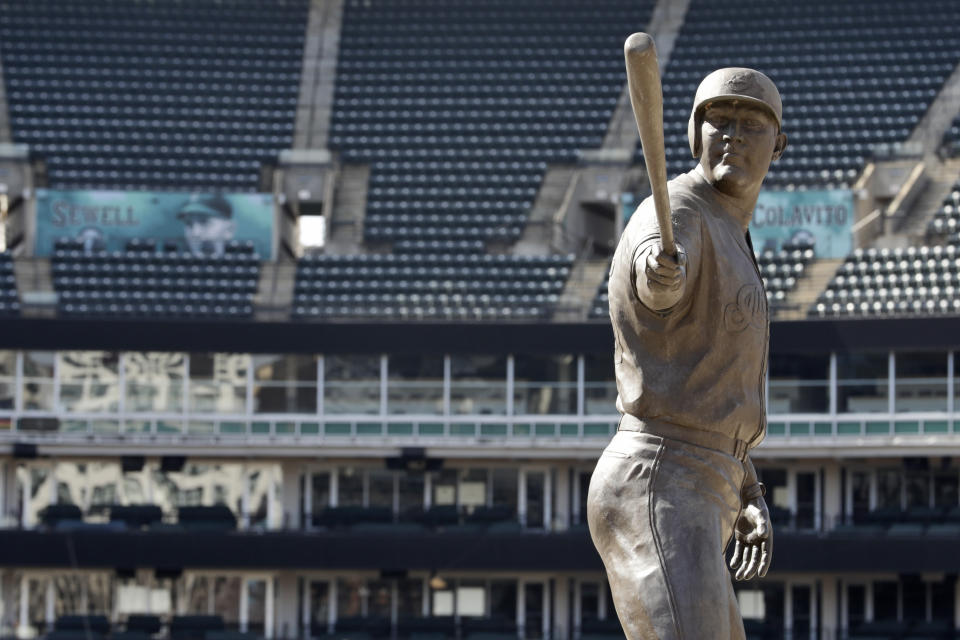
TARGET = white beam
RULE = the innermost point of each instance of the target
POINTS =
(268, 609)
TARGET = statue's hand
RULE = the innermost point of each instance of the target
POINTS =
(754, 541)
(663, 279)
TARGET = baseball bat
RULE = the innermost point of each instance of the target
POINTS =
(646, 97)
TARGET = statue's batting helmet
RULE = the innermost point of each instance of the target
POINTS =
(733, 83)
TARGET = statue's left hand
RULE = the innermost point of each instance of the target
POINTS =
(754, 541)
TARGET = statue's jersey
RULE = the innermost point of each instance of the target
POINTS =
(700, 364)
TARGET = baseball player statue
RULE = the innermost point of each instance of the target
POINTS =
(676, 483)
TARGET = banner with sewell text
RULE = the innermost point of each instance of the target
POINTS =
(823, 218)
(199, 223)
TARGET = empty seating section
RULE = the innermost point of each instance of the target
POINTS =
(600, 308)
(460, 105)
(780, 271)
(9, 300)
(143, 281)
(951, 137)
(853, 75)
(153, 95)
(462, 286)
(914, 280)
(946, 219)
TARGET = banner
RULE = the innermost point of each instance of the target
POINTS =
(822, 218)
(199, 223)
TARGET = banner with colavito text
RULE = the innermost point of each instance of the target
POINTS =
(823, 218)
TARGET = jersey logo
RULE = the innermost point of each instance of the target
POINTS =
(748, 311)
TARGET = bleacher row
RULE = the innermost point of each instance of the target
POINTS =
(876, 59)
(124, 95)
(902, 281)
(144, 282)
(426, 285)
(946, 219)
(779, 271)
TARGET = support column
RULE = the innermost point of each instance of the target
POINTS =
(23, 619)
(561, 519)
(50, 600)
(788, 609)
(244, 618)
(8, 513)
(306, 624)
(829, 613)
(844, 608)
(180, 591)
(244, 497)
(274, 501)
(832, 496)
(545, 605)
(332, 609)
(334, 486)
(291, 505)
(7, 603)
(561, 609)
(522, 497)
(288, 617)
(602, 600)
(547, 499)
(268, 609)
(521, 607)
(26, 508)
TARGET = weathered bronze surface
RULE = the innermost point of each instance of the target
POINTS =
(676, 484)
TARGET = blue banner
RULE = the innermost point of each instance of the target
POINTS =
(201, 224)
(822, 218)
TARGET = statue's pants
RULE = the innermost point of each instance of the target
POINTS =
(661, 513)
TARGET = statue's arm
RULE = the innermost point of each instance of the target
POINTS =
(751, 485)
(661, 279)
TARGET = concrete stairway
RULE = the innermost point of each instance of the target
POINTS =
(942, 177)
(814, 280)
(538, 234)
(274, 291)
(312, 127)
(928, 133)
(35, 287)
(345, 227)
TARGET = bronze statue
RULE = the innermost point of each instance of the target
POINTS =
(691, 329)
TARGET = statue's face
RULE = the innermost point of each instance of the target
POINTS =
(739, 140)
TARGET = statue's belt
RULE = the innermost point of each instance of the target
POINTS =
(699, 437)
